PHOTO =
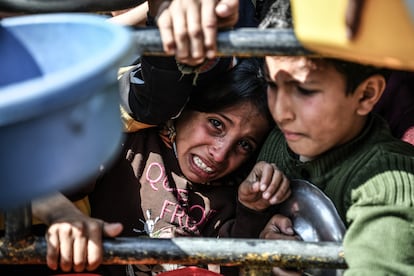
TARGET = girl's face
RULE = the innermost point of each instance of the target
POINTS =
(308, 102)
(212, 145)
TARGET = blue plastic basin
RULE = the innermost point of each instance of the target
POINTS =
(59, 101)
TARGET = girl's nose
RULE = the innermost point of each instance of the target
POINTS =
(220, 150)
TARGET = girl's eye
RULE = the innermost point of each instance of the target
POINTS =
(246, 146)
(216, 123)
(306, 91)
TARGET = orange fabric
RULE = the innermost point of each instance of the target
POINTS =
(130, 124)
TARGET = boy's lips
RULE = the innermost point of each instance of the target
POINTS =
(291, 135)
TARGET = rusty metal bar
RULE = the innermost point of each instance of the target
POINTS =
(239, 42)
(193, 251)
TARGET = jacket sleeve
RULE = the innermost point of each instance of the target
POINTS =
(380, 237)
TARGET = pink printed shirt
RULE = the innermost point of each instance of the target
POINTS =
(145, 190)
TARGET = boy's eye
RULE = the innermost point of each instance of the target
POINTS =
(246, 145)
(306, 91)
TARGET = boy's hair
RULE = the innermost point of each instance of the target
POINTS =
(279, 15)
(356, 73)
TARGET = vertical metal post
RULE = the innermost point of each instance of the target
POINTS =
(18, 222)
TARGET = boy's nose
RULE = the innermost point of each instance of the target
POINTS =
(283, 107)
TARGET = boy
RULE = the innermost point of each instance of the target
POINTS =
(327, 134)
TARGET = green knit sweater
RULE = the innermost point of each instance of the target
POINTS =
(371, 182)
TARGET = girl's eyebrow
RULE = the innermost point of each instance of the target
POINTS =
(225, 118)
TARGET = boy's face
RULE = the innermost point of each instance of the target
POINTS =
(308, 102)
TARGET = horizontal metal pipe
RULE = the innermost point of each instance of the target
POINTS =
(193, 251)
(239, 42)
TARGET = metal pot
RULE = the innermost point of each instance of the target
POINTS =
(59, 101)
(314, 218)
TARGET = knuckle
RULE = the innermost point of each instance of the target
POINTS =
(169, 43)
(65, 228)
(210, 23)
(96, 226)
(195, 32)
(181, 35)
(265, 235)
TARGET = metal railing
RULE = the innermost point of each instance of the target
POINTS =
(245, 42)
(254, 256)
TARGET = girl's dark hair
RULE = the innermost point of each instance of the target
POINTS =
(243, 83)
(356, 73)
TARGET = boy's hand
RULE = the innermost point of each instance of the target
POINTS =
(188, 28)
(266, 185)
(280, 228)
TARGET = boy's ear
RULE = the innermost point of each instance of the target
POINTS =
(369, 93)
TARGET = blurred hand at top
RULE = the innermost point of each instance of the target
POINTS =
(353, 17)
(188, 28)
